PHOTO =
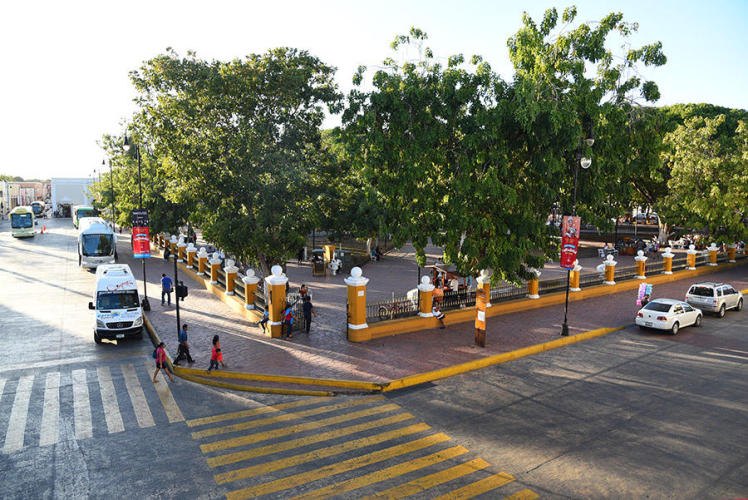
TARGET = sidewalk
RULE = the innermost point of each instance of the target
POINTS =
(327, 354)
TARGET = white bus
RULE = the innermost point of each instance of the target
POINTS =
(97, 243)
(22, 222)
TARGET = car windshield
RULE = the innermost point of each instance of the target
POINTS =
(20, 221)
(702, 291)
(97, 245)
(117, 300)
(657, 306)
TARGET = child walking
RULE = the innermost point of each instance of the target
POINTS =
(214, 354)
(161, 363)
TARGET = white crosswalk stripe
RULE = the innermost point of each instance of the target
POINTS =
(50, 432)
(18, 415)
(45, 409)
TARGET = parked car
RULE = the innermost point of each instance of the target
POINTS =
(668, 314)
(714, 297)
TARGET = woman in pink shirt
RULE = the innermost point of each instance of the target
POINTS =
(161, 363)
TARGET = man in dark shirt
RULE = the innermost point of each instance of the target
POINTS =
(183, 351)
(308, 311)
(165, 288)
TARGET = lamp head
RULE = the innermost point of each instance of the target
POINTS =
(585, 162)
(590, 139)
(126, 144)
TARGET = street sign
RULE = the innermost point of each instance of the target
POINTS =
(141, 243)
(569, 241)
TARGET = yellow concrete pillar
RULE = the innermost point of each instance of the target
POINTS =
(425, 297)
(667, 257)
(610, 270)
(484, 281)
(202, 260)
(691, 257)
(713, 249)
(231, 270)
(357, 327)
(215, 265)
(533, 284)
(191, 252)
(276, 284)
(731, 252)
(181, 246)
(574, 277)
(250, 287)
(641, 261)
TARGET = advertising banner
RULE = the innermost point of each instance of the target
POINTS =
(569, 241)
(141, 243)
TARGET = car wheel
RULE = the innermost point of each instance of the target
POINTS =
(697, 323)
(674, 329)
(642, 327)
(97, 339)
(739, 307)
(721, 312)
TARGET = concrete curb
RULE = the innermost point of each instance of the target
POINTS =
(156, 340)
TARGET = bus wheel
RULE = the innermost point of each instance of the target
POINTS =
(79, 260)
(97, 339)
(116, 257)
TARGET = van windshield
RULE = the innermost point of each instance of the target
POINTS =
(117, 300)
(97, 245)
(20, 221)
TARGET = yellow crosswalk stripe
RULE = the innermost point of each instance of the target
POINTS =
(523, 495)
(319, 454)
(195, 422)
(423, 483)
(214, 431)
(338, 468)
(479, 487)
(263, 436)
(173, 413)
(231, 458)
(384, 474)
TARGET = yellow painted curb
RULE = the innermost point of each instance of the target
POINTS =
(477, 364)
(247, 388)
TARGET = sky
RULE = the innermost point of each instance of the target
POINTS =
(65, 65)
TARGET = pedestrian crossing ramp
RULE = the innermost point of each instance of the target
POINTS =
(365, 447)
(47, 408)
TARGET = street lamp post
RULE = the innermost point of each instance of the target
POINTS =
(145, 304)
(111, 188)
(585, 164)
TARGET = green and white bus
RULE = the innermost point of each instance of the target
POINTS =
(22, 222)
(80, 211)
(38, 208)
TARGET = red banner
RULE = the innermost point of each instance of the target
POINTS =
(141, 244)
(569, 241)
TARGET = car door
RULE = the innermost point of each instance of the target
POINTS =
(689, 315)
(679, 315)
(731, 297)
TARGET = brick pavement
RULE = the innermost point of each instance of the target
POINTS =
(327, 354)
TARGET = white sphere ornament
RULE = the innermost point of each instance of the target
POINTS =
(216, 256)
(229, 263)
(425, 280)
(640, 253)
(609, 258)
(692, 247)
(250, 273)
(356, 272)
(276, 270)
(173, 239)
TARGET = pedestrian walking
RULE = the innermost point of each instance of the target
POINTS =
(161, 363)
(183, 351)
(308, 312)
(264, 321)
(215, 354)
(300, 256)
(287, 322)
(167, 252)
(438, 314)
(166, 286)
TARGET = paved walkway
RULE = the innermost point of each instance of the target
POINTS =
(327, 354)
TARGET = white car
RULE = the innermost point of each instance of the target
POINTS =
(668, 314)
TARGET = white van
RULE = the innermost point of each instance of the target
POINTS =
(97, 243)
(117, 304)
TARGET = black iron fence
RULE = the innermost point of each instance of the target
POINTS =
(397, 307)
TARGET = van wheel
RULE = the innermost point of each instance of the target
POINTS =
(97, 339)
(674, 329)
(139, 335)
(721, 313)
(739, 307)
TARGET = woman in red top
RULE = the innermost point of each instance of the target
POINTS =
(161, 363)
(215, 354)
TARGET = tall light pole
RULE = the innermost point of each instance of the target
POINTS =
(585, 164)
(146, 305)
(111, 189)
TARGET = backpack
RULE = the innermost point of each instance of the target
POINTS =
(155, 354)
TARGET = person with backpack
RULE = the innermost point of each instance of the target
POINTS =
(160, 355)
(215, 354)
(287, 322)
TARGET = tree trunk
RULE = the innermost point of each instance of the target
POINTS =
(664, 231)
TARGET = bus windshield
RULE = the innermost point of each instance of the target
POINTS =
(85, 212)
(20, 221)
(97, 245)
(117, 300)
(37, 208)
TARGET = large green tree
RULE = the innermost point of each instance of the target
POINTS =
(241, 143)
(475, 163)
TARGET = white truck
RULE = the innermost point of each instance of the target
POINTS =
(117, 304)
(97, 243)
(67, 192)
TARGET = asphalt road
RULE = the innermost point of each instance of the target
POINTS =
(629, 415)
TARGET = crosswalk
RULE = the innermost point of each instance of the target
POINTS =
(37, 410)
(364, 447)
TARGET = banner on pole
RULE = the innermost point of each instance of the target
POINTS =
(569, 241)
(141, 243)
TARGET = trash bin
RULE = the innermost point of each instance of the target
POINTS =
(318, 262)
